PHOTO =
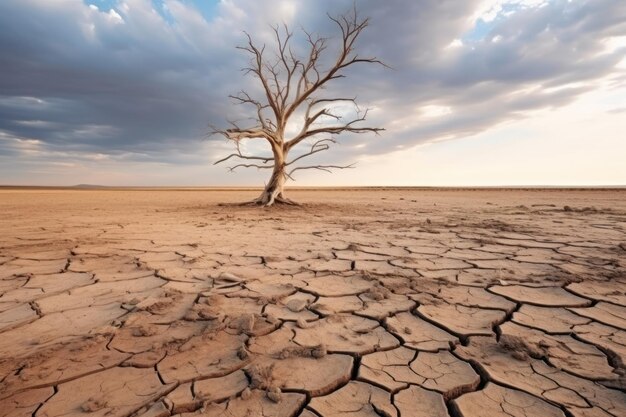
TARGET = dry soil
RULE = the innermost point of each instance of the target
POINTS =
(409, 303)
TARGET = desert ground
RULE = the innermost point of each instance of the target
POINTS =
(398, 302)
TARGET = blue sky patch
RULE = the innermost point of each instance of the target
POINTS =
(104, 5)
(206, 7)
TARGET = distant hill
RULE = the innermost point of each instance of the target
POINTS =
(89, 186)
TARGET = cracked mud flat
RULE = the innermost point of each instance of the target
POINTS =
(128, 303)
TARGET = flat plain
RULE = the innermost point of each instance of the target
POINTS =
(372, 302)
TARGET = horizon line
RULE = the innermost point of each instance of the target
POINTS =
(311, 187)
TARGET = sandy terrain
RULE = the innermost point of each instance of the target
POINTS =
(361, 303)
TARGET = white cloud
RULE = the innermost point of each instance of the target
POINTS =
(432, 110)
(35, 123)
(455, 43)
(115, 16)
(490, 10)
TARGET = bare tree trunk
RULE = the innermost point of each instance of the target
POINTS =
(274, 189)
(275, 186)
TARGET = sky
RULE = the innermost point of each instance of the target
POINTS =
(475, 92)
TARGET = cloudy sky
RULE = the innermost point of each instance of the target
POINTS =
(479, 92)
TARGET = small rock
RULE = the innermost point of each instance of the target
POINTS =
(296, 305)
(242, 353)
(92, 405)
(319, 351)
(246, 323)
(274, 394)
(285, 354)
(192, 315)
(376, 296)
(260, 376)
(144, 331)
(543, 343)
(206, 313)
(227, 276)
(246, 394)
(377, 293)
(271, 319)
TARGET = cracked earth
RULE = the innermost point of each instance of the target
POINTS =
(397, 303)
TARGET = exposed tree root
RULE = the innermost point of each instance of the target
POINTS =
(278, 200)
(265, 202)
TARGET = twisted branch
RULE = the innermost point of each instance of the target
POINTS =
(233, 168)
(326, 168)
(319, 146)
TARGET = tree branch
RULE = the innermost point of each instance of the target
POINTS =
(326, 168)
(319, 146)
(244, 98)
(350, 27)
(257, 69)
(233, 168)
(240, 156)
(307, 132)
(237, 134)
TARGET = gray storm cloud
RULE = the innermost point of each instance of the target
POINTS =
(78, 82)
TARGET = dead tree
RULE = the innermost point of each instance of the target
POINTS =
(292, 89)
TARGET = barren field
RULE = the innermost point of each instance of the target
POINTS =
(411, 303)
